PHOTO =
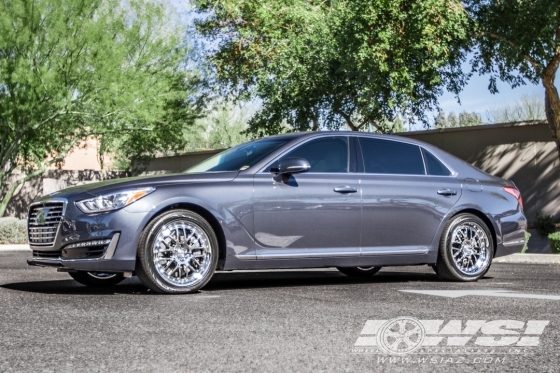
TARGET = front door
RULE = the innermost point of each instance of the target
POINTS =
(314, 214)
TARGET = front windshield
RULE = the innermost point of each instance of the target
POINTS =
(240, 157)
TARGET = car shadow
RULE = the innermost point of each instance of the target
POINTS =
(233, 281)
(71, 287)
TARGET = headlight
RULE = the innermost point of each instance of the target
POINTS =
(113, 201)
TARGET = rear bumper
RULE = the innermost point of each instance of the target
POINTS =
(513, 229)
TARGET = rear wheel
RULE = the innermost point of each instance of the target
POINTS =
(177, 253)
(97, 279)
(466, 249)
(359, 271)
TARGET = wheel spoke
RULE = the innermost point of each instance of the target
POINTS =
(469, 248)
(181, 254)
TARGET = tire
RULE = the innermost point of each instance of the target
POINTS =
(97, 279)
(177, 253)
(359, 271)
(466, 249)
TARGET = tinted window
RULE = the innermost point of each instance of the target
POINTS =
(391, 157)
(328, 154)
(434, 166)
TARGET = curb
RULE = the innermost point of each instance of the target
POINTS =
(4, 248)
(529, 259)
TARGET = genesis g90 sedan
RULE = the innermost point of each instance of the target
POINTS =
(350, 200)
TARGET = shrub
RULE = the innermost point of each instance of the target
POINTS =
(526, 246)
(554, 240)
(544, 224)
(13, 231)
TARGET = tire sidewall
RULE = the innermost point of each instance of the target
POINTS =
(145, 264)
(445, 247)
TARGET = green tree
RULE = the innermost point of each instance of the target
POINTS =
(527, 108)
(328, 64)
(440, 121)
(519, 41)
(452, 120)
(467, 119)
(70, 69)
(222, 127)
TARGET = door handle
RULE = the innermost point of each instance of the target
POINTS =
(447, 192)
(345, 189)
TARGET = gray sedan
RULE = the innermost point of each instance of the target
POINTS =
(354, 201)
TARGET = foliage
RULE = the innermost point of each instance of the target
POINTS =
(70, 69)
(526, 245)
(554, 240)
(13, 231)
(223, 127)
(328, 64)
(544, 224)
(527, 108)
(519, 41)
(465, 119)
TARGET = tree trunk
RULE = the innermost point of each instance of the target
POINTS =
(552, 109)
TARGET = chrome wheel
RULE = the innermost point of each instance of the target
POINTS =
(470, 248)
(97, 279)
(102, 275)
(359, 271)
(182, 253)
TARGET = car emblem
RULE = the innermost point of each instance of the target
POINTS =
(42, 215)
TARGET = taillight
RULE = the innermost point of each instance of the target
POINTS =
(516, 193)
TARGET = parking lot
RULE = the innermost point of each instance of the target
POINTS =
(275, 321)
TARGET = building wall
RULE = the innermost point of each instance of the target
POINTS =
(521, 152)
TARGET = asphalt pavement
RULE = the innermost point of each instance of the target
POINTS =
(283, 321)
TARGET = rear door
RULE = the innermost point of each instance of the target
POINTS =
(406, 192)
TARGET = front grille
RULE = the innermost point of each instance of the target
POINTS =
(47, 254)
(43, 221)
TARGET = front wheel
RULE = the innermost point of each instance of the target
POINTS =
(97, 279)
(359, 271)
(466, 249)
(177, 253)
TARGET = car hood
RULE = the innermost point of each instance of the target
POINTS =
(109, 186)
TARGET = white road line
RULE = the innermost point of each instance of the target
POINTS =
(484, 293)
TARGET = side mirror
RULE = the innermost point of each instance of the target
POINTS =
(293, 165)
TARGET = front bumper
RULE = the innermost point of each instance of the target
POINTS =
(90, 242)
(82, 256)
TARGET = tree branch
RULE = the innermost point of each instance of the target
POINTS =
(348, 120)
(537, 66)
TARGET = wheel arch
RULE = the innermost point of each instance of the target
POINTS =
(485, 219)
(208, 216)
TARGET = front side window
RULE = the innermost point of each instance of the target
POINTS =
(327, 154)
(391, 157)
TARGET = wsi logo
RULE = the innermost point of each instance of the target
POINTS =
(404, 335)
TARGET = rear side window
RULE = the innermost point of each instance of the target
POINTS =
(434, 166)
(391, 157)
